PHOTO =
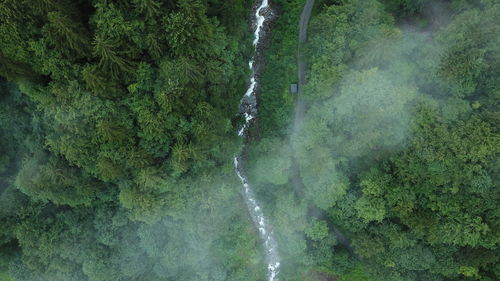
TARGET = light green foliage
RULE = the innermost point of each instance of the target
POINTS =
(289, 224)
(275, 167)
(469, 271)
(118, 129)
(357, 274)
(370, 209)
(335, 34)
(317, 230)
(370, 113)
(399, 142)
(469, 59)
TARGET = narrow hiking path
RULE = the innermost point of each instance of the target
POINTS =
(301, 69)
(300, 111)
(299, 103)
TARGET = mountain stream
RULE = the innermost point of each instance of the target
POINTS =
(248, 108)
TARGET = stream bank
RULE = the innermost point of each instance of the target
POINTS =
(248, 108)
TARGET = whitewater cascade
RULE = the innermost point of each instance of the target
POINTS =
(248, 108)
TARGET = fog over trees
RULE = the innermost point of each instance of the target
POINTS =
(119, 123)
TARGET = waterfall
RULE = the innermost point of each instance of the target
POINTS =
(248, 108)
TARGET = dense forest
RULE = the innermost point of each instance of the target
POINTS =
(117, 139)
(118, 128)
(398, 149)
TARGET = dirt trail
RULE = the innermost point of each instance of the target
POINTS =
(300, 109)
(299, 104)
(301, 69)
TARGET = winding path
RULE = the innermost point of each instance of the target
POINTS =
(301, 69)
(300, 110)
(299, 103)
